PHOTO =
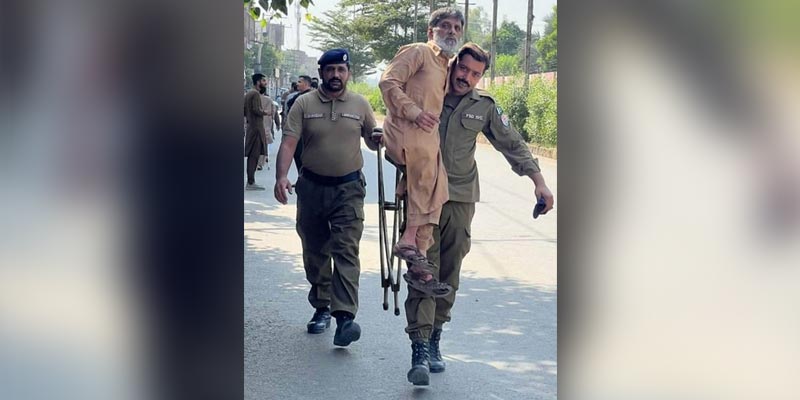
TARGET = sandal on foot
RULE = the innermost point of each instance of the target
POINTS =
(431, 287)
(408, 253)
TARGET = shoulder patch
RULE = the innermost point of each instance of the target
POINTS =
(499, 109)
(504, 119)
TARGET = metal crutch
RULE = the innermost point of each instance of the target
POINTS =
(388, 280)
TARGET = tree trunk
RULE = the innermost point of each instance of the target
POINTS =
(494, 37)
(528, 43)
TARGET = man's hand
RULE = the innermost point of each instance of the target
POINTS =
(427, 121)
(282, 185)
(543, 191)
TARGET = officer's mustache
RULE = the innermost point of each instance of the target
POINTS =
(334, 80)
(462, 81)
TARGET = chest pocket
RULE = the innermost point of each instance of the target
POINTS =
(472, 122)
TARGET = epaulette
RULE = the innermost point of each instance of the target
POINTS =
(484, 93)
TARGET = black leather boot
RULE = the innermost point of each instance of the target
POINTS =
(320, 321)
(437, 363)
(347, 330)
(420, 364)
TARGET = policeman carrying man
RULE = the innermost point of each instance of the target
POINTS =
(329, 122)
(466, 112)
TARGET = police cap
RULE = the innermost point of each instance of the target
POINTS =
(334, 56)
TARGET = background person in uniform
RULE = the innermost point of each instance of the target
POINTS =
(271, 116)
(413, 87)
(330, 192)
(303, 87)
(255, 141)
(466, 112)
(284, 97)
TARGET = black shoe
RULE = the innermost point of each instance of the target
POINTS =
(420, 364)
(347, 331)
(437, 363)
(320, 321)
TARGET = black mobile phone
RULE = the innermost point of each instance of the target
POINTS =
(540, 205)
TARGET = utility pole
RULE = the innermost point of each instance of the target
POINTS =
(466, 4)
(466, 20)
(494, 37)
(416, 14)
(528, 43)
(297, 19)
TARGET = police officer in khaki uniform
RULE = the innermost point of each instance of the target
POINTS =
(330, 123)
(466, 112)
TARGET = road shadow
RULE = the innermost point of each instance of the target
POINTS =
(501, 343)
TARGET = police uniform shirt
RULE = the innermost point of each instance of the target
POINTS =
(462, 119)
(331, 131)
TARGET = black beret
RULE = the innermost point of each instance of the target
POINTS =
(334, 56)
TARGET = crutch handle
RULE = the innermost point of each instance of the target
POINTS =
(377, 131)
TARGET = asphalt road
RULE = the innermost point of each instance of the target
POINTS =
(501, 343)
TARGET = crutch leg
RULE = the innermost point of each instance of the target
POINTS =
(399, 227)
(383, 238)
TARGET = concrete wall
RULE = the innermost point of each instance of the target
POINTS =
(499, 80)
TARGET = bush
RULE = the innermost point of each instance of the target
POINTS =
(542, 103)
(532, 112)
(513, 98)
(371, 93)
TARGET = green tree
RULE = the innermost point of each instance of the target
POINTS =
(534, 67)
(271, 58)
(337, 28)
(548, 46)
(479, 27)
(509, 38)
(507, 65)
(279, 6)
(387, 25)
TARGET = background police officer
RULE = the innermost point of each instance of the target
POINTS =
(466, 112)
(330, 123)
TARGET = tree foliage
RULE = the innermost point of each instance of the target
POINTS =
(336, 29)
(271, 58)
(548, 45)
(510, 37)
(479, 29)
(507, 65)
(534, 67)
(387, 25)
(278, 6)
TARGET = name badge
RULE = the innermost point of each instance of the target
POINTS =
(352, 116)
(315, 115)
(473, 116)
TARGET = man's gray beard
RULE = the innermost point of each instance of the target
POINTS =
(449, 50)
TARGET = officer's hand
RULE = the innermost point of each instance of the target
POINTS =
(281, 187)
(427, 121)
(544, 191)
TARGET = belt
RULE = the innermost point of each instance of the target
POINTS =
(330, 180)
